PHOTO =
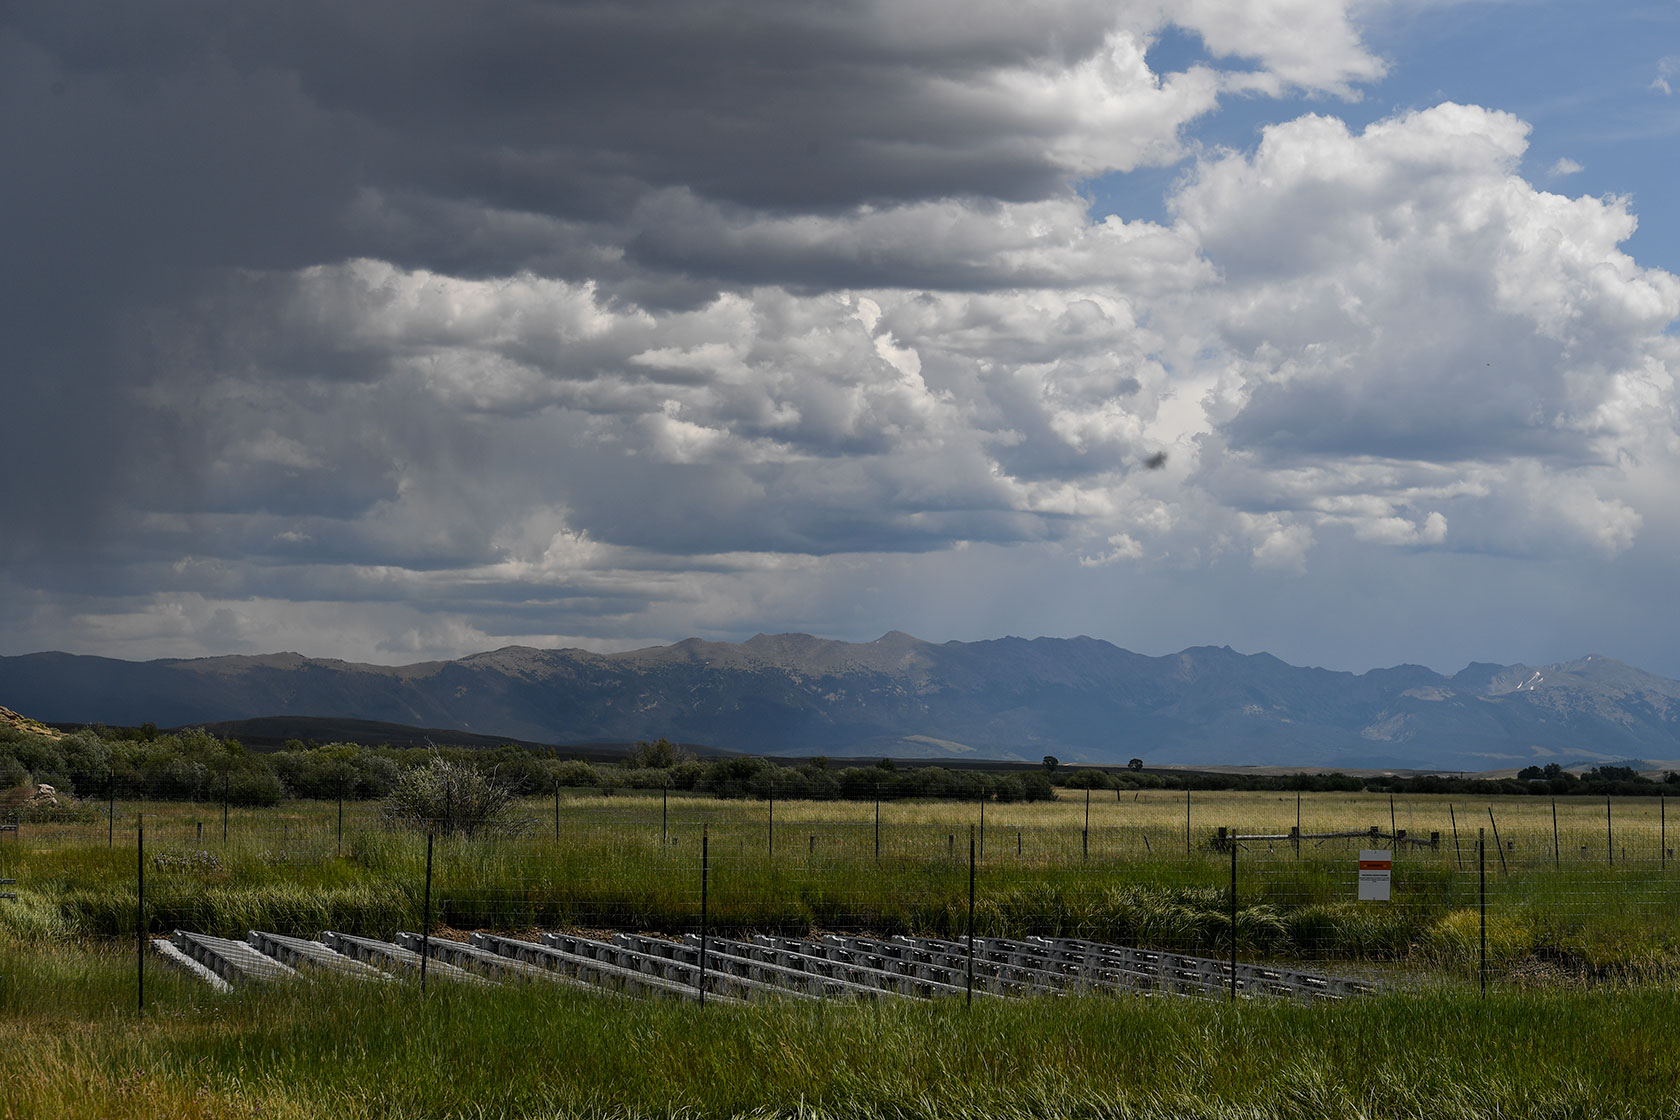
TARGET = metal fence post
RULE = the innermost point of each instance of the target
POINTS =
(1186, 822)
(969, 998)
(1481, 869)
(705, 877)
(227, 781)
(140, 912)
(111, 811)
(877, 826)
(1458, 853)
(664, 814)
(1504, 868)
(340, 826)
(426, 923)
(1557, 855)
(1609, 834)
(1233, 914)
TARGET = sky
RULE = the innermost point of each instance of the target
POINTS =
(1344, 331)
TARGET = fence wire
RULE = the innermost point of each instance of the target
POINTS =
(1508, 891)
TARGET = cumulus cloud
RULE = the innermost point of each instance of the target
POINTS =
(1405, 315)
(595, 324)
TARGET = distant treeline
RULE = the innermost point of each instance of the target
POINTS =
(194, 765)
(1551, 781)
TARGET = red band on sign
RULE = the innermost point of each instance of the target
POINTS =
(1376, 865)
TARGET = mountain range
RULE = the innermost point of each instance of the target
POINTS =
(1080, 699)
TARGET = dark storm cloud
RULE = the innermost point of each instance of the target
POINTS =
(415, 324)
(153, 150)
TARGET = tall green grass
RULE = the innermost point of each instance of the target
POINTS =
(288, 870)
(74, 1049)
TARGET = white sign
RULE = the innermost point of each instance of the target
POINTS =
(1375, 868)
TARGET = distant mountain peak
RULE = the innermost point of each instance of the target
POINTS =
(1082, 699)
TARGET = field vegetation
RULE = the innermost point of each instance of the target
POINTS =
(76, 1049)
(1140, 873)
(145, 764)
(1580, 950)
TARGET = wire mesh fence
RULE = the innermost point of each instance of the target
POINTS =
(1504, 891)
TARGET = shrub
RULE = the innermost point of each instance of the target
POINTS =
(1036, 787)
(451, 798)
(254, 787)
(576, 772)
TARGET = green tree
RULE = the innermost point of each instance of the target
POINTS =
(661, 754)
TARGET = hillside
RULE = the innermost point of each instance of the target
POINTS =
(1011, 698)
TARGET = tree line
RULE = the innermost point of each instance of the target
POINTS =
(195, 765)
(1551, 781)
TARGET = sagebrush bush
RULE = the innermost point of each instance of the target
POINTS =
(452, 799)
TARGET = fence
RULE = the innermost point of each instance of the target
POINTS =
(1512, 891)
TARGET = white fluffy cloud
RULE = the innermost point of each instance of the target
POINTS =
(784, 313)
(1387, 334)
(1412, 329)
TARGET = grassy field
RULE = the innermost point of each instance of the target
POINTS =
(1131, 823)
(76, 1049)
(633, 862)
(1584, 958)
